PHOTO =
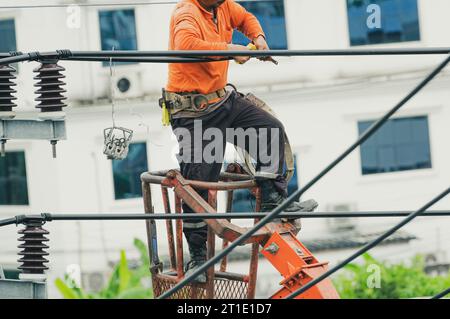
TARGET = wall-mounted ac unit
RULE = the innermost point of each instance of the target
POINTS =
(127, 83)
(341, 224)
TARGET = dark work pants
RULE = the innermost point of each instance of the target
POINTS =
(236, 112)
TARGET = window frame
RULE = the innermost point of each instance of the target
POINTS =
(425, 170)
(14, 19)
(100, 38)
(27, 182)
(408, 43)
(285, 21)
(114, 192)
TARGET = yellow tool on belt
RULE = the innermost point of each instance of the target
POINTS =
(165, 115)
(253, 47)
(165, 110)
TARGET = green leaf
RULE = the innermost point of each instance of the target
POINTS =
(352, 267)
(123, 282)
(124, 273)
(136, 293)
(403, 280)
(369, 259)
(66, 291)
(113, 284)
(139, 244)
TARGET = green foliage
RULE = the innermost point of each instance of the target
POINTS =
(124, 283)
(397, 280)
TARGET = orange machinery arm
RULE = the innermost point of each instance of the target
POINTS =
(286, 253)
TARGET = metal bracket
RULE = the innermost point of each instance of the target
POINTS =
(30, 129)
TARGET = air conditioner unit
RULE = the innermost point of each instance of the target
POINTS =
(341, 224)
(127, 84)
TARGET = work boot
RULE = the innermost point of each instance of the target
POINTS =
(198, 258)
(271, 198)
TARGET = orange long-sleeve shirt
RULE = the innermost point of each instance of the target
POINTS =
(192, 28)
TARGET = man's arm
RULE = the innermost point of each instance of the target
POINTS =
(187, 37)
(244, 21)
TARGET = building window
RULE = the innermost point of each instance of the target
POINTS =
(13, 179)
(244, 201)
(127, 172)
(118, 30)
(7, 35)
(271, 16)
(399, 145)
(398, 21)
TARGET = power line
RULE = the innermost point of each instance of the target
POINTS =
(119, 4)
(442, 294)
(200, 56)
(46, 217)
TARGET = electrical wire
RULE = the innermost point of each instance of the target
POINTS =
(118, 4)
(113, 91)
(442, 294)
(47, 217)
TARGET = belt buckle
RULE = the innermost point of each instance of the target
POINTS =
(199, 102)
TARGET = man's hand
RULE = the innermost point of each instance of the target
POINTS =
(236, 47)
(261, 45)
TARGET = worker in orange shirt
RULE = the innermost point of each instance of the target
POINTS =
(197, 92)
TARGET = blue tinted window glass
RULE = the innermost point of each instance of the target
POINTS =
(386, 155)
(401, 144)
(399, 21)
(118, 30)
(127, 172)
(7, 36)
(271, 16)
(13, 179)
(244, 201)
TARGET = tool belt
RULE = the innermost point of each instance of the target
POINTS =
(192, 102)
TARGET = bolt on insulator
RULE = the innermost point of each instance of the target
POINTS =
(33, 248)
(53, 143)
(51, 98)
(7, 92)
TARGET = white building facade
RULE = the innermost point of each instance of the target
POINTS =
(324, 103)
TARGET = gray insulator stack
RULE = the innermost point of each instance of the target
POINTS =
(33, 248)
(50, 82)
(7, 78)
